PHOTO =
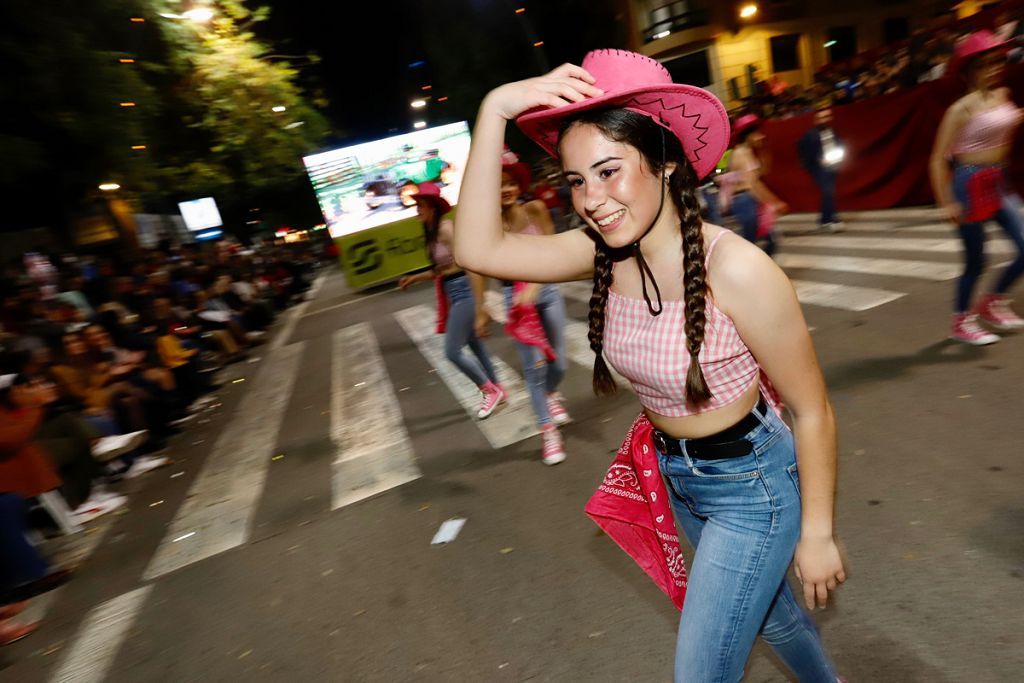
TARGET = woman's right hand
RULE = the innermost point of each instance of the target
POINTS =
(953, 212)
(568, 83)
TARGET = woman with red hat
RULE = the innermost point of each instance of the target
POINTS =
(967, 173)
(462, 299)
(754, 205)
(543, 357)
(696, 319)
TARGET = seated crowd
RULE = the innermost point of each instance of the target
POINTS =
(102, 361)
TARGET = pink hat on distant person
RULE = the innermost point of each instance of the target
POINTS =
(432, 193)
(638, 83)
(519, 171)
(971, 47)
(743, 124)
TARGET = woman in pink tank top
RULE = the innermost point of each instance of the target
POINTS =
(967, 173)
(694, 330)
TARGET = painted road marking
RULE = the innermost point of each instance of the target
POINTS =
(220, 505)
(373, 452)
(508, 425)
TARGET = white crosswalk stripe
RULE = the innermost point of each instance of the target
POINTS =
(100, 637)
(217, 513)
(847, 297)
(895, 243)
(926, 270)
(373, 449)
(506, 426)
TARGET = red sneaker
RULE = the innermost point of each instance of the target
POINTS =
(556, 410)
(967, 330)
(995, 310)
(552, 453)
(493, 396)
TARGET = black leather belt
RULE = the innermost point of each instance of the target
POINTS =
(728, 443)
(452, 276)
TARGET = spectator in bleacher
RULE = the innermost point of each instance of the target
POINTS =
(821, 152)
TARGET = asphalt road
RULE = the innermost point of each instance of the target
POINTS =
(291, 538)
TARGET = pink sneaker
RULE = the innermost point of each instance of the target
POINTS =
(995, 310)
(552, 453)
(556, 410)
(967, 330)
(493, 396)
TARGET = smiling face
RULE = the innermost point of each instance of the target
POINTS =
(509, 190)
(613, 189)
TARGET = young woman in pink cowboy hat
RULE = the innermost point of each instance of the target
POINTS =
(697, 319)
(967, 172)
(753, 204)
(543, 374)
(459, 303)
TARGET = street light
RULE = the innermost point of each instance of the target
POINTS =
(419, 124)
(109, 187)
(199, 14)
(418, 104)
(278, 109)
(747, 11)
(663, 34)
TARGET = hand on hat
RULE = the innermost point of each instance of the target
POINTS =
(567, 83)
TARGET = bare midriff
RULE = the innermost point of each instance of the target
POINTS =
(711, 422)
(985, 157)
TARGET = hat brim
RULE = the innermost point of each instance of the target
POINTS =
(695, 116)
(438, 201)
(958, 64)
(740, 130)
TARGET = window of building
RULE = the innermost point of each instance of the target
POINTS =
(665, 18)
(693, 69)
(785, 52)
(841, 43)
(895, 29)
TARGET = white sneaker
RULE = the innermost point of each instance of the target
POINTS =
(97, 507)
(145, 464)
(552, 451)
(111, 447)
(556, 409)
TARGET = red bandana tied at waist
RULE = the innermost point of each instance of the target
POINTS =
(524, 325)
(632, 506)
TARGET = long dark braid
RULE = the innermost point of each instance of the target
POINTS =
(656, 148)
(603, 382)
(683, 190)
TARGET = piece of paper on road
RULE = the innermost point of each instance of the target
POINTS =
(448, 531)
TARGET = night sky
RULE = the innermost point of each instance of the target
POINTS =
(467, 46)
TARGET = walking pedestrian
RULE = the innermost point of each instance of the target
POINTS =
(754, 205)
(696, 320)
(821, 152)
(974, 140)
(462, 305)
(542, 351)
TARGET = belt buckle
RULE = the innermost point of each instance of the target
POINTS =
(659, 442)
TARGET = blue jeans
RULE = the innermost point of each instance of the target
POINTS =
(459, 333)
(711, 200)
(744, 207)
(543, 377)
(973, 236)
(742, 516)
(826, 182)
(19, 561)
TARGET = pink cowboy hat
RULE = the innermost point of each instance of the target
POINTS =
(971, 47)
(641, 84)
(519, 171)
(432, 193)
(743, 124)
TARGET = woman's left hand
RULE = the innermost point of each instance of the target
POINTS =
(819, 567)
(526, 296)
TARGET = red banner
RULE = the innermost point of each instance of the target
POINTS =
(888, 143)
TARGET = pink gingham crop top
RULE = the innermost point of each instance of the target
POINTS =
(989, 129)
(650, 351)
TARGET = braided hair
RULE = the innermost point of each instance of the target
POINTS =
(657, 150)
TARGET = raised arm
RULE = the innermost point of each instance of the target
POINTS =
(481, 245)
(773, 328)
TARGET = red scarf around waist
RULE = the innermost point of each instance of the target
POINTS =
(632, 506)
